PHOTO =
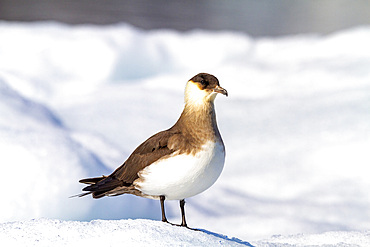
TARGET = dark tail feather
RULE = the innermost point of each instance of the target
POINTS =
(88, 181)
(81, 195)
(99, 186)
(92, 180)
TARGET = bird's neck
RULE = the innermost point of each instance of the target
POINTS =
(199, 120)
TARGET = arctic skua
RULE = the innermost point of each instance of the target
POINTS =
(177, 163)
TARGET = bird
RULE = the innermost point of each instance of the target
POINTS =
(176, 163)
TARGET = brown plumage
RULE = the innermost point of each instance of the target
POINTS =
(196, 126)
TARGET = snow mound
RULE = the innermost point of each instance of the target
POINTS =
(139, 232)
(40, 158)
(44, 232)
(339, 239)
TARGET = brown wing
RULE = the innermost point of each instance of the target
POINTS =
(154, 148)
(148, 152)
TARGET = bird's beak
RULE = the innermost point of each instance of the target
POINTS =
(221, 90)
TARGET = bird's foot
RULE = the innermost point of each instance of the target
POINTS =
(180, 225)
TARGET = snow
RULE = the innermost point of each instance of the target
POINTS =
(140, 232)
(107, 233)
(348, 238)
(110, 233)
(76, 100)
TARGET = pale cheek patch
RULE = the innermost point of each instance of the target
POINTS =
(195, 95)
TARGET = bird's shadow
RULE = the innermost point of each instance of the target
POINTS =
(236, 240)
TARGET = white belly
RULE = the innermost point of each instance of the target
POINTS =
(183, 176)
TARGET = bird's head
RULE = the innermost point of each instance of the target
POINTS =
(202, 88)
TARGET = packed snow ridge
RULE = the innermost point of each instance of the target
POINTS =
(76, 101)
(43, 232)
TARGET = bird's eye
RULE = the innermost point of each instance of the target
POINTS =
(203, 82)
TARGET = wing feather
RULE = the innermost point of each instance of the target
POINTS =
(154, 148)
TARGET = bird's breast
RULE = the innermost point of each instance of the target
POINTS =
(180, 176)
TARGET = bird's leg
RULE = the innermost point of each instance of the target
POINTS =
(164, 219)
(182, 206)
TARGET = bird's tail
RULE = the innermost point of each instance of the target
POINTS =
(92, 180)
(102, 186)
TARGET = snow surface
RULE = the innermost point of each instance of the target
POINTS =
(43, 232)
(75, 101)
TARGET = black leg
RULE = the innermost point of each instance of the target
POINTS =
(164, 219)
(182, 206)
